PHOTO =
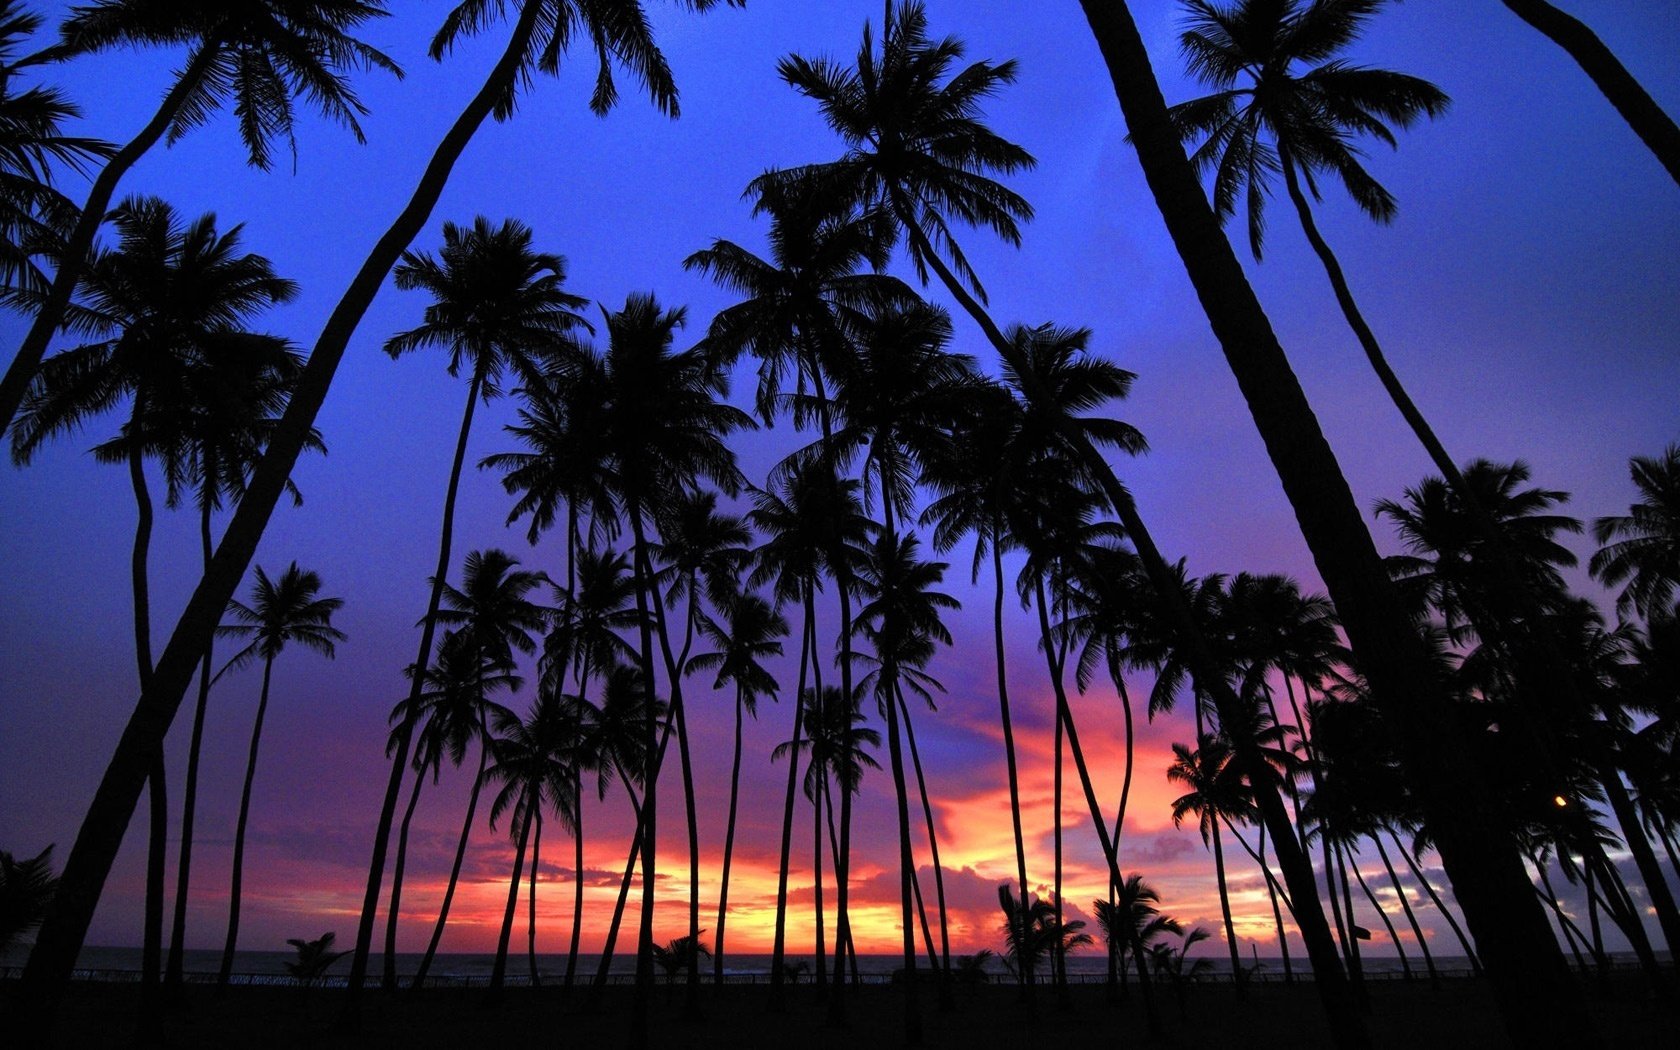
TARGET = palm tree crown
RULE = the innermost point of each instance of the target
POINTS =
(281, 612)
(1643, 547)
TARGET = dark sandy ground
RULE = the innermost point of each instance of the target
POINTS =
(1410, 1015)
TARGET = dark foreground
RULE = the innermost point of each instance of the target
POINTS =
(1405, 1015)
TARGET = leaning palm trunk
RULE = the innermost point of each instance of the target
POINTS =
(100, 835)
(394, 912)
(728, 840)
(933, 854)
(1277, 912)
(498, 970)
(531, 901)
(460, 858)
(1393, 936)
(674, 670)
(906, 861)
(645, 595)
(235, 891)
(1406, 908)
(779, 944)
(1440, 905)
(1647, 119)
(1644, 857)
(1225, 909)
(1531, 978)
(189, 792)
(1009, 740)
(79, 246)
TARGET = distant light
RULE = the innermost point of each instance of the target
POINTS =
(1560, 802)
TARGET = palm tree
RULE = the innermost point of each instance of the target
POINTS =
(751, 631)
(498, 307)
(1131, 922)
(168, 298)
(1266, 115)
(492, 618)
(260, 54)
(542, 31)
(282, 611)
(1647, 119)
(1216, 794)
(1529, 972)
(1643, 547)
(531, 766)
(35, 216)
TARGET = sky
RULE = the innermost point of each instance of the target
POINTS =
(1526, 294)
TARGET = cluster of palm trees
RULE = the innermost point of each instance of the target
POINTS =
(1455, 699)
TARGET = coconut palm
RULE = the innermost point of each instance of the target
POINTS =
(167, 298)
(1643, 546)
(1528, 970)
(542, 31)
(1131, 924)
(283, 611)
(260, 54)
(531, 766)
(751, 631)
(35, 216)
(1216, 794)
(492, 618)
(1647, 119)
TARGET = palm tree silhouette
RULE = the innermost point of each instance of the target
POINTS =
(169, 298)
(1216, 793)
(261, 53)
(1643, 546)
(1529, 972)
(283, 611)
(35, 217)
(26, 891)
(492, 618)
(750, 632)
(542, 31)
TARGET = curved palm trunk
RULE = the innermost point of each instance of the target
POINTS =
(728, 843)
(779, 944)
(650, 789)
(933, 852)
(674, 670)
(392, 915)
(1277, 912)
(1393, 936)
(189, 800)
(1440, 905)
(460, 858)
(1571, 932)
(1647, 119)
(906, 866)
(1406, 907)
(1225, 909)
(100, 836)
(1009, 740)
(1532, 980)
(817, 882)
(577, 901)
(80, 244)
(238, 884)
(531, 900)
(618, 908)
(498, 971)
(1356, 964)
(1644, 857)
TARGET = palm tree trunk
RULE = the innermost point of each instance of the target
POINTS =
(674, 670)
(460, 858)
(645, 596)
(1356, 964)
(843, 859)
(1571, 932)
(1009, 736)
(1647, 119)
(906, 863)
(1440, 906)
(1393, 936)
(1644, 857)
(183, 875)
(80, 244)
(1225, 908)
(531, 901)
(498, 970)
(1406, 906)
(933, 851)
(623, 898)
(577, 879)
(1532, 980)
(101, 832)
(778, 949)
(388, 959)
(1277, 912)
(234, 893)
(728, 841)
(817, 868)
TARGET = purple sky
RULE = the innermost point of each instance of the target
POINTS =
(1527, 294)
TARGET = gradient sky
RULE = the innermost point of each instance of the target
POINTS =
(1527, 294)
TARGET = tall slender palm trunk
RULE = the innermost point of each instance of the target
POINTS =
(728, 841)
(460, 858)
(1277, 912)
(531, 901)
(906, 864)
(100, 835)
(1406, 908)
(1393, 936)
(645, 596)
(236, 889)
(577, 880)
(933, 853)
(1009, 739)
(778, 950)
(1531, 978)
(172, 973)
(498, 969)
(393, 914)
(79, 246)
(1440, 905)
(821, 946)
(1225, 908)
(675, 665)
(1647, 119)
(843, 858)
